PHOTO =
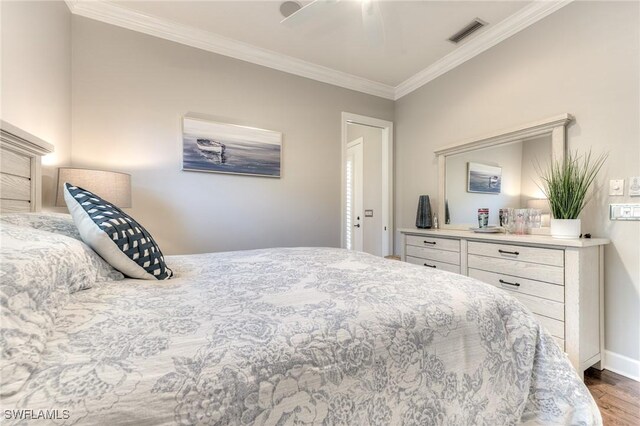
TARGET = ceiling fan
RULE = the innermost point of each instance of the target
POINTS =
(296, 14)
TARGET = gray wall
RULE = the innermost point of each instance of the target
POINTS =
(129, 93)
(36, 78)
(372, 185)
(584, 60)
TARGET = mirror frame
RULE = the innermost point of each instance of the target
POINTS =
(555, 126)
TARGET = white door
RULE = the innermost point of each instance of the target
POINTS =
(354, 195)
(380, 222)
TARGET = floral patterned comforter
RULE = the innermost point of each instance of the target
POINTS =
(301, 336)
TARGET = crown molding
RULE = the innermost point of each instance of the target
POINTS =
(168, 30)
(110, 13)
(493, 35)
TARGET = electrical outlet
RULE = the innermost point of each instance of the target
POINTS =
(616, 187)
(624, 211)
(634, 186)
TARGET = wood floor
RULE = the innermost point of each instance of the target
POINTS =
(617, 397)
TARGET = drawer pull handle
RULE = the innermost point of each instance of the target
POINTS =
(433, 266)
(508, 283)
(429, 242)
(508, 252)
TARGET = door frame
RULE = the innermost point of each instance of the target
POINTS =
(387, 176)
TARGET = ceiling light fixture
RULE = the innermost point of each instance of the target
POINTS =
(288, 8)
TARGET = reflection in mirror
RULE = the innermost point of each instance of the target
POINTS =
(496, 177)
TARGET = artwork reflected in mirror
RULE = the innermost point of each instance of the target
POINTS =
(484, 178)
(497, 177)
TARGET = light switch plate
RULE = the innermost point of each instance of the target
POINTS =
(634, 186)
(624, 211)
(616, 187)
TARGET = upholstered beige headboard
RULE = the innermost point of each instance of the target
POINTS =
(20, 177)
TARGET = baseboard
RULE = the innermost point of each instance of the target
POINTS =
(622, 365)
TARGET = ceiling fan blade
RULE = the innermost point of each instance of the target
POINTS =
(306, 12)
(372, 22)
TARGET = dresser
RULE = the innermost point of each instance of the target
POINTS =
(560, 281)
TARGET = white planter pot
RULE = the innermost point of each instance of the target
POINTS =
(565, 228)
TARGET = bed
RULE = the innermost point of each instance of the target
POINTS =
(267, 337)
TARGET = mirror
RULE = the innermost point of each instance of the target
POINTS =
(497, 171)
(496, 177)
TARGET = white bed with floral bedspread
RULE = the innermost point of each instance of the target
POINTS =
(287, 336)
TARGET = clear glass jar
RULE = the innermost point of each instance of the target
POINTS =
(509, 220)
(535, 218)
(521, 220)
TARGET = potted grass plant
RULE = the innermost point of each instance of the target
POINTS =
(567, 185)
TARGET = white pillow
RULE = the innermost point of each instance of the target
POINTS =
(63, 225)
(115, 236)
(58, 223)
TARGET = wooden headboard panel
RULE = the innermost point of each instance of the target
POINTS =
(20, 176)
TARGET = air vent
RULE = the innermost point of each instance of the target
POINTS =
(474, 26)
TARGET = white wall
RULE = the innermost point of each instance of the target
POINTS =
(129, 93)
(584, 60)
(372, 185)
(36, 78)
(463, 205)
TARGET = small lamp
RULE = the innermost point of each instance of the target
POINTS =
(114, 187)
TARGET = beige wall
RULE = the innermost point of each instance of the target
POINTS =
(584, 60)
(372, 185)
(129, 93)
(36, 78)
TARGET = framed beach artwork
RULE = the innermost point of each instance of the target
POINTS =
(484, 179)
(208, 146)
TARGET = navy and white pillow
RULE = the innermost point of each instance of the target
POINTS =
(115, 236)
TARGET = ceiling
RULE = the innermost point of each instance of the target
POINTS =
(332, 43)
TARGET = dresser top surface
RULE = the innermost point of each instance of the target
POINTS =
(545, 240)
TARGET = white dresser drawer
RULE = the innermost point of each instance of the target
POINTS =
(544, 307)
(533, 288)
(434, 242)
(544, 256)
(533, 271)
(434, 254)
(434, 264)
(555, 327)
